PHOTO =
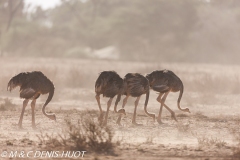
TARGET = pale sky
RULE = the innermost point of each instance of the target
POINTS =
(45, 4)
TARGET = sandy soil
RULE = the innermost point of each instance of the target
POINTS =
(210, 131)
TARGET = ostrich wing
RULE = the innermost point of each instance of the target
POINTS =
(160, 88)
(11, 85)
(27, 93)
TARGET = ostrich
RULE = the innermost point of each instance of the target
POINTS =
(165, 81)
(109, 83)
(135, 85)
(32, 85)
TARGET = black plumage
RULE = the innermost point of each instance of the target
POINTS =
(32, 85)
(165, 81)
(135, 85)
(109, 84)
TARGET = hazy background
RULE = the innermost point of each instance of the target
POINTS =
(139, 30)
(72, 41)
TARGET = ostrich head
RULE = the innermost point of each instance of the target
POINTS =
(187, 110)
(52, 117)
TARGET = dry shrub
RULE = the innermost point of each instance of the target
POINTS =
(86, 135)
(7, 105)
(212, 142)
(236, 134)
(9, 142)
(204, 141)
(99, 137)
(51, 141)
(89, 135)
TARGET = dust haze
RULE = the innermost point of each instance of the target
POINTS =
(74, 41)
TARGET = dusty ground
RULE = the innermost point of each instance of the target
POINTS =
(210, 131)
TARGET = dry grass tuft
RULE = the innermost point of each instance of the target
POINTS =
(9, 143)
(50, 141)
(182, 115)
(86, 135)
(210, 142)
(200, 115)
(236, 134)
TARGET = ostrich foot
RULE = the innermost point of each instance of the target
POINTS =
(159, 121)
(153, 117)
(34, 127)
(20, 128)
(174, 117)
(136, 124)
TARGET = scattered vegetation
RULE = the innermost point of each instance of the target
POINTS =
(86, 135)
(200, 115)
(236, 134)
(210, 142)
(51, 141)
(9, 143)
(182, 115)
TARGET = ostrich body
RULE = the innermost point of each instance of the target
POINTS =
(164, 82)
(135, 85)
(32, 85)
(109, 84)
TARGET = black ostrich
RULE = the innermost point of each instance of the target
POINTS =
(110, 84)
(32, 85)
(135, 85)
(165, 81)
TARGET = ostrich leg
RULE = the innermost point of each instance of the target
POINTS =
(33, 114)
(135, 112)
(162, 104)
(100, 118)
(25, 102)
(108, 107)
(172, 113)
